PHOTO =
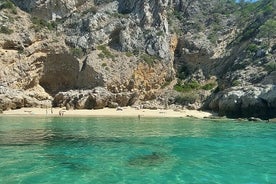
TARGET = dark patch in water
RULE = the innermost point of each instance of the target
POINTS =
(54, 137)
(152, 159)
(29, 137)
(75, 166)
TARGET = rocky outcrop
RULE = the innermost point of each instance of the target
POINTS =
(41, 59)
(152, 25)
(123, 25)
(256, 101)
(49, 9)
(96, 98)
(15, 99)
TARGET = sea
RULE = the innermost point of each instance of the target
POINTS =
(124, 150)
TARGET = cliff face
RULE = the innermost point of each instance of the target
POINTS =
(165, 51)
(122, 46)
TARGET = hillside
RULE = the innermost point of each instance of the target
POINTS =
(214, 55)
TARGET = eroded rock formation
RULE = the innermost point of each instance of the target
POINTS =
(256, 101)
(97, 98)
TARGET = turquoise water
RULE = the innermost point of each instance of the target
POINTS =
(126, 150)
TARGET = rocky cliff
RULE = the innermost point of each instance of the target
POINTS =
(217, 55)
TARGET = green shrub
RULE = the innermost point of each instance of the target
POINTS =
(270, 66)
(178, 15)
(268, 29)
(150, 60)
(209, 86)
(186, 98)
(52, 25)
(268, 9)
(187, 87)
(129, 54)
(105, 52)
(7, 4)
(178, 88)
(216, 27)
(160, 33)
(236, 83)
(5, 30)
(78, 52)
(101, 56)
(38, 24)
(193, 85)
(198, 26)
(252, 48)
(250, 31)
(14, 11)
(212, 37)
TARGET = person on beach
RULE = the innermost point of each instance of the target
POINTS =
(60, 113)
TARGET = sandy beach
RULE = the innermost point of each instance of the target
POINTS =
(121, 112)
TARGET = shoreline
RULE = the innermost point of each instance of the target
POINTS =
(107, 112)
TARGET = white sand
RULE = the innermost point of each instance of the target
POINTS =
(124, 112)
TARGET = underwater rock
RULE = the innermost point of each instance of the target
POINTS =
(152, 159)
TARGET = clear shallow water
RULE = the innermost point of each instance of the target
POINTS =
(126, 150)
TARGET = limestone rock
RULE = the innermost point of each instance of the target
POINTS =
(96, 98)
(51, 9)
(14, 99)
(249, 101)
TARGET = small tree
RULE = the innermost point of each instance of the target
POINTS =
(268, 30)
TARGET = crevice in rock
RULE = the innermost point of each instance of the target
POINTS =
(115, 39)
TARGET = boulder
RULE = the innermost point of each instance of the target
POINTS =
(244, 102)
(96, 98)
(15, 99)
